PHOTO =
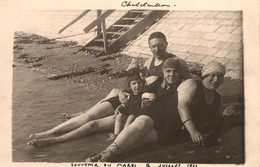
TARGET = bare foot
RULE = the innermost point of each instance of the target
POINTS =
(66, 116)
(94, 158)
(69, 116)
(37, 142)
(38, 135)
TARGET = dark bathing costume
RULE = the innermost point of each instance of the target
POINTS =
(165, 114)
(133, 105)
(157, 70)
(154, 71)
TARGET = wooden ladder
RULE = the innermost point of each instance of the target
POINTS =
(122, 31)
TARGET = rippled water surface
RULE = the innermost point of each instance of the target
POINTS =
(38, 104)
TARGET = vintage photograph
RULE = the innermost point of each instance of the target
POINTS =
(132, 85)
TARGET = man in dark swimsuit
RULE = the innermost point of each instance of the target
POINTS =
(158, 44)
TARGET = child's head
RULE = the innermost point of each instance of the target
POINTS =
(135, 81)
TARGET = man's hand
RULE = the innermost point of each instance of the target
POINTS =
(147, 99)
(149, 96)
(123, 97)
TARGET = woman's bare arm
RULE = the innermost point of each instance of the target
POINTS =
(186, 92)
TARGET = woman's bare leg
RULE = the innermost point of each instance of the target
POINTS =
(134, 132)
(99, 125)
(140, 132)
(98, 111)
(112, 93)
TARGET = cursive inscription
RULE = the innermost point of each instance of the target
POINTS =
(143, 4)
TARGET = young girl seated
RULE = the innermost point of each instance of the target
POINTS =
(127, 111)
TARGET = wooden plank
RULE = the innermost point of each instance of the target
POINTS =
(103, 24)
(74, 21)
(136, 11)
(145, 12)
(138, 28)
(98, 20)
(101, 40)
(123, 25)
(97, 48)
(110, 29)
(134, 18)
(99, 25)
(118, 33)
(126, 36)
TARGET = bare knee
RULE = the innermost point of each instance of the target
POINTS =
(93, 124)
(99, 125)
(114, 92)
(144, 122)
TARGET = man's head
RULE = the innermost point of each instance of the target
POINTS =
(171, 71)
(213, 75)
(158, 44)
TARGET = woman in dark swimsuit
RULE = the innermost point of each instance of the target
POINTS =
(196, 103)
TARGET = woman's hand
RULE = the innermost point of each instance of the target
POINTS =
(197, 137)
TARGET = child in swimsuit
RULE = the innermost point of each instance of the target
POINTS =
(127, 111)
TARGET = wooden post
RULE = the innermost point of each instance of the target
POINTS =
(103, 23)
(98, 20)
(99, 25)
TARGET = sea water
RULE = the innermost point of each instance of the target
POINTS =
(38, 104)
